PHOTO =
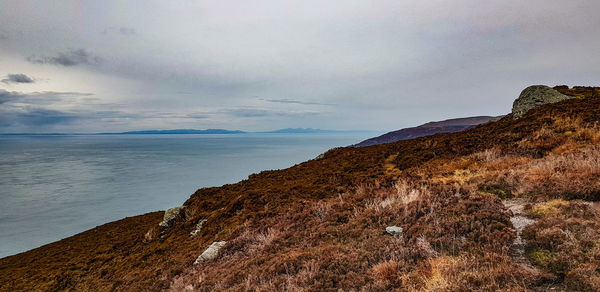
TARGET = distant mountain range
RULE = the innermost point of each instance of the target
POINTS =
(223, 131)
(207, 131)
(446, 126)
(180, 131)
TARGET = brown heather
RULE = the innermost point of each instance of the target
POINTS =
(320, 225)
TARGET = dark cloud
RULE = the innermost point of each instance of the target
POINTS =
(69, 58)
(35, 117)
(6, 96)
(292, 101)
(46, 117)
(18, 78)
(44, 97)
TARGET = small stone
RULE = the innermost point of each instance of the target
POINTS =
(211, 252)
(394, 230)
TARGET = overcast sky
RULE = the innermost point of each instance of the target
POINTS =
(91, 66)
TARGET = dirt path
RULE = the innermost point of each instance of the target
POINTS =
(519, 223)
(517, 250)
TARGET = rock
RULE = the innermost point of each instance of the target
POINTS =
(151, 235)
(536, 96)
(198, 227)
(211, 252)
(170, 216)
(168, 219)
(394, 230)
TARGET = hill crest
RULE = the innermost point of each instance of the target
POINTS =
(430, 128)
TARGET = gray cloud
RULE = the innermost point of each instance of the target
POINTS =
(292, 101)
(68, 58)
(197, 116)
(18, 78)
(7, 96)
(60, 94)
(39, 98)
(36, 117)
(260, 112)
(39, 118)
(109, 114)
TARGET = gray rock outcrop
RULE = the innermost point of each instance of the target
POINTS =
(168, 219)
(536, 96)
(211, 252)
(170, 216)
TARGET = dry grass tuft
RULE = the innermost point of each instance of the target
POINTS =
(572, 175)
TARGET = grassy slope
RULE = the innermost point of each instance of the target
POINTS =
(281, 226)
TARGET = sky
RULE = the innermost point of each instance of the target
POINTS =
(98, 66)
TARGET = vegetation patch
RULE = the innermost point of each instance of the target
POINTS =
(548, 208)
(499, 189)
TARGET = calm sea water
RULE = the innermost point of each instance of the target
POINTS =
(52, 187)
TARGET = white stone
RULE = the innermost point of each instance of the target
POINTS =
(394, 230)
(211, 252)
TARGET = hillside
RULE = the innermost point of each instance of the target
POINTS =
(446, 126)
(507, 205)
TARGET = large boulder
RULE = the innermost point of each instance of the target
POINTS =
(536, 96)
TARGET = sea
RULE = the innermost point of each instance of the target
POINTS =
(55, 186)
